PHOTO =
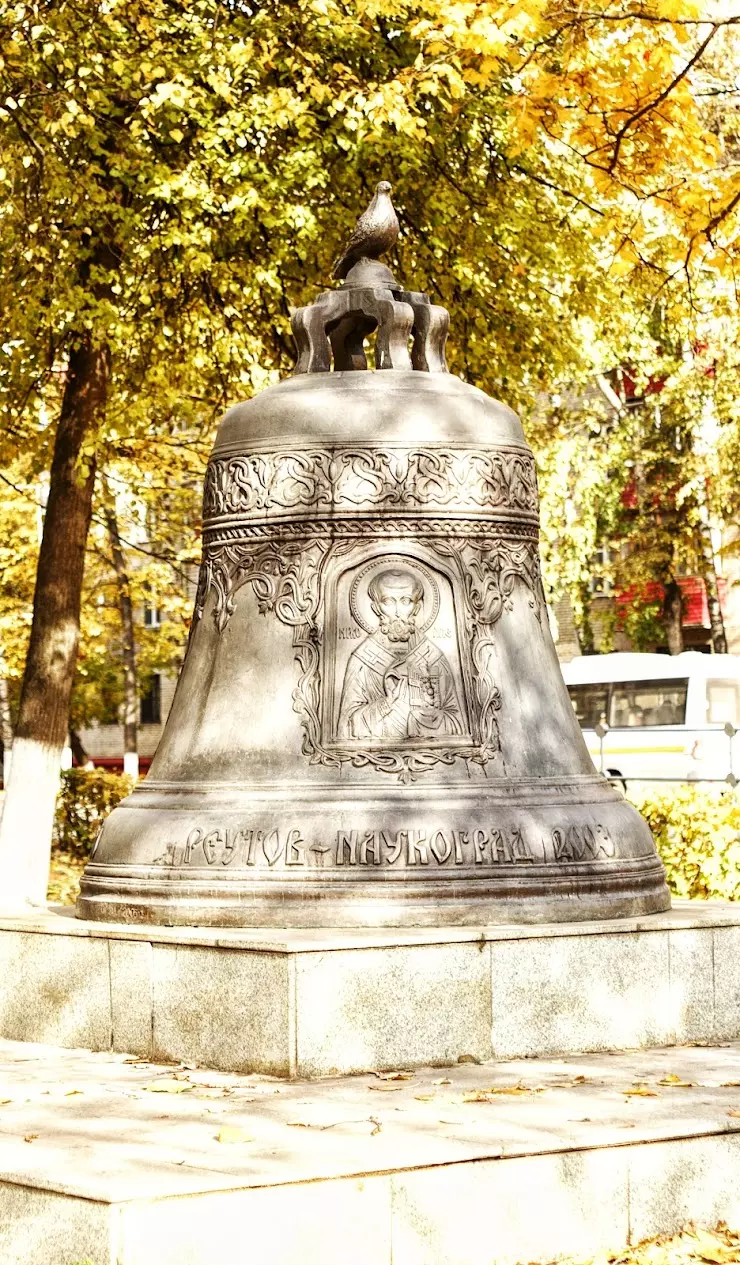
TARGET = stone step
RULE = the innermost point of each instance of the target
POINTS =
(316, 1003)
(109, 1160)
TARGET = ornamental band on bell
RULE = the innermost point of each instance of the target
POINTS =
(279, 520)
(416, 689)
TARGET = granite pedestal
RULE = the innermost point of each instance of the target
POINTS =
(311, 1003)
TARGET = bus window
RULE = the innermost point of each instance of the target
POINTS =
(722, 702)
(589, 703)
(636, 703)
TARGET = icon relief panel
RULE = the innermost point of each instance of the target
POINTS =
(393, 673)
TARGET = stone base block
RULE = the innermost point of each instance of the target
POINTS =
(310, 1003)
(113, 1162)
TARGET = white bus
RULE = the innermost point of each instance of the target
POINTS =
(659, 717)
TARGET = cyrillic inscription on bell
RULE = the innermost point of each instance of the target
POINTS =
(371, 727)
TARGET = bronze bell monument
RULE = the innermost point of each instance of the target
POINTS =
(371, 727)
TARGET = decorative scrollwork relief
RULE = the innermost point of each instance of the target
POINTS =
(364, 479)
(286, 577)
(488, 572)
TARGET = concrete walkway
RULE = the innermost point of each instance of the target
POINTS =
(119, 1162)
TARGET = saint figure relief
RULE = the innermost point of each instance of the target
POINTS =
(397, 683)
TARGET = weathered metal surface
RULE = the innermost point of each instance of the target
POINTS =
(371, 727)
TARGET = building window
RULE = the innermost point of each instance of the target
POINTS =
(152, 617)
(600, 583)
(151, 702)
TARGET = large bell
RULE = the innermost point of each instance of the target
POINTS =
(371, 727)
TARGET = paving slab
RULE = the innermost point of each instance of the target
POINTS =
(127, 1162)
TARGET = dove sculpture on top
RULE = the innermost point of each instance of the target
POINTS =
(375, 232)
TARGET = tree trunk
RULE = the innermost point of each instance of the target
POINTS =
(130, 688)
(6, 721)
(673, 616)
(709, 572)
(41, 732)
(78, 751)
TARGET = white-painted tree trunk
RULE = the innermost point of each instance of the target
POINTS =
(43, 711)
(131, 763)
(26, 825)
(6, 721)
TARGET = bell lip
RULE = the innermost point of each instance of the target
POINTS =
(529, 891)
(367, 909)
(369, 407)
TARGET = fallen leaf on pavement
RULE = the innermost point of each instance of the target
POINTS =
(711, 1248)
(705, 1045)
(485, 1095)
(395, 1076)
(386, 1089)
(168, 1085)
(335, 1124)
(735, 1113)
(641, 1091)
(444, 1080)
(720, 1245)
(231, 1133)
(30, 1137)
(672, 1079)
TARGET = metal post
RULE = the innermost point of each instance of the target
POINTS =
(601, 730)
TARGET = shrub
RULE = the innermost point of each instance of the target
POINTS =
(697, 830)
(84, 801)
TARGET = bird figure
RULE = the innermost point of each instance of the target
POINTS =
(375, 232)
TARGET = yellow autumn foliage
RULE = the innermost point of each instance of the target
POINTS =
(697, 832)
